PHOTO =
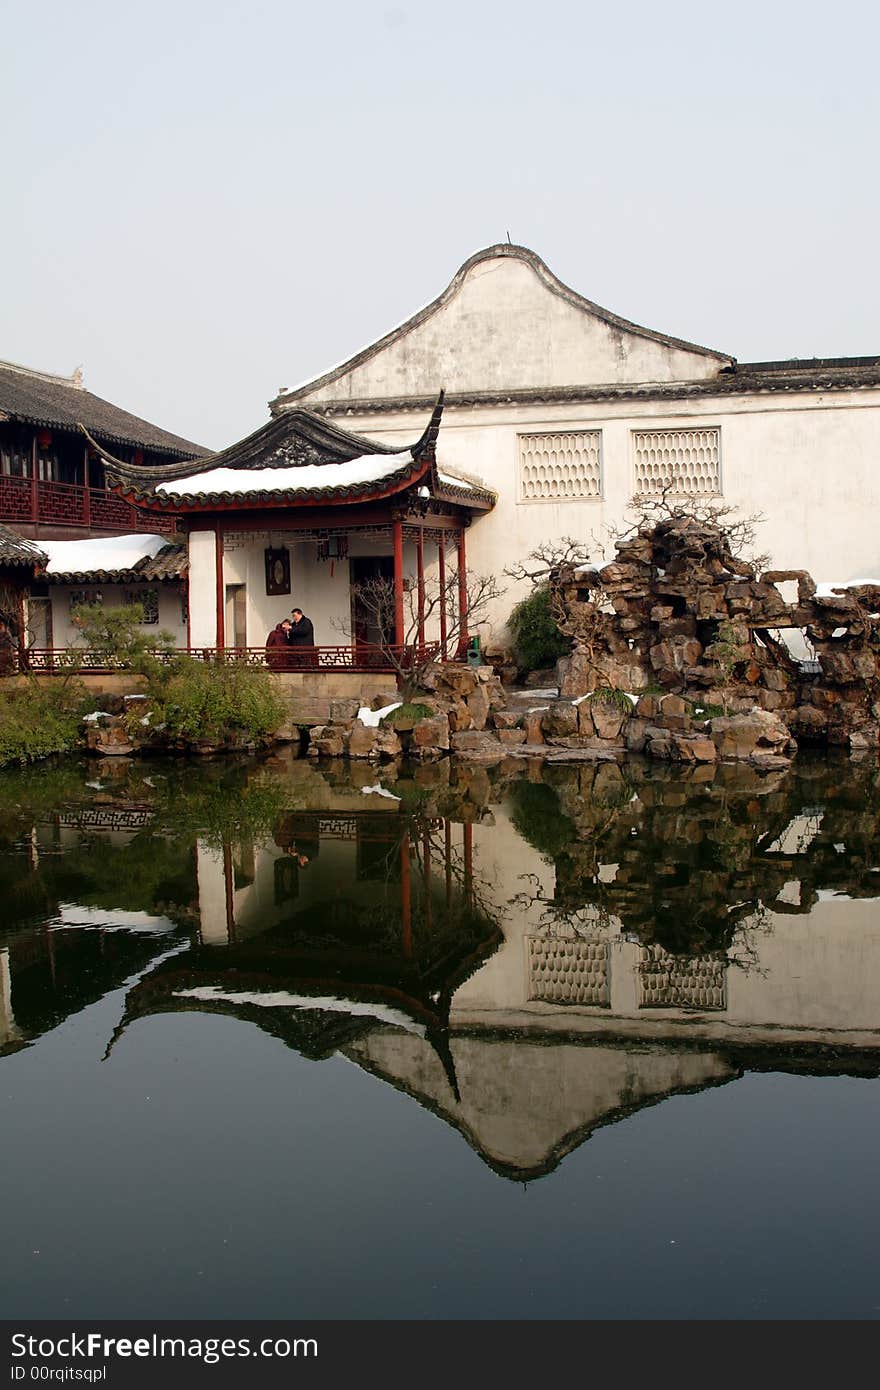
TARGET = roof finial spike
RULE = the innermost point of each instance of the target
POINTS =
(509, 242)
(77, 378)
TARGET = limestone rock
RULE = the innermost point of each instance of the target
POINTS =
(743, 735)
(560, 719)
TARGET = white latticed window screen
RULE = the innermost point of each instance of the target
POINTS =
(681, 982)
(560, 467)
(688, 461)
(568, 971)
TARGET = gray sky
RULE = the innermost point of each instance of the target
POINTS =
(204, 201)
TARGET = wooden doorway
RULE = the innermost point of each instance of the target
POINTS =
(367, 629)
(236, 615)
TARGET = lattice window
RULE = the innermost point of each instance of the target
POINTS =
(568, 971)
(681, 982)
(76, 597)
(560, 467)
(685, 461)
(148, 600)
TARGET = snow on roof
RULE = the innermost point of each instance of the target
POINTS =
(369, 468)
(826, 589)
(116, 919)
(445, 477)
(284, 999)
(104, 554)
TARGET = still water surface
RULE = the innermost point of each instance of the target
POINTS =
(564, 1043)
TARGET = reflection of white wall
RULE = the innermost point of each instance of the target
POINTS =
(520, 1101)
(8, 1031)
(812, 976)
(212, 895)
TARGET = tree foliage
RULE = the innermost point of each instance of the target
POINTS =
(537, 640)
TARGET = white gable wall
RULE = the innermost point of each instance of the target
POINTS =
(504, 329)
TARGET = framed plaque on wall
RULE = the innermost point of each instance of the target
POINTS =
(278, 571)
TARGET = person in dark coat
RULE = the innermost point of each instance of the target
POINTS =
(301, 637)
(276, 646)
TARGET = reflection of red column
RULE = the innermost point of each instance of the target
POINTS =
(398, 583)
(462, 589)
(405, 897)
(420, 580)
(229, 885)
(426, 874)
(441, 557)
(221, 591)
(447, 860)
(468, 863)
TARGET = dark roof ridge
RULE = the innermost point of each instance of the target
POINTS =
(75, 379)
(61, 403)
(806, 364)
(313, 431)
(545, 275)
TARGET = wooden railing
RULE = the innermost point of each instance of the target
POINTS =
(361, 657)
(69, 504)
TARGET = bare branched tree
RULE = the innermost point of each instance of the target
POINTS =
(413, 659)
(738, 533)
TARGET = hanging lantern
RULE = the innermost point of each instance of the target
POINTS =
(138, 457)
(44, 439)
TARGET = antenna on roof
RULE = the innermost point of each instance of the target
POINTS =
(509, 242)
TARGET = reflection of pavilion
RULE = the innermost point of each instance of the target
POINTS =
(378, 927)
(526, 1045)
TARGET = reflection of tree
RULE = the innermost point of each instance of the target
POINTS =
(690, 864)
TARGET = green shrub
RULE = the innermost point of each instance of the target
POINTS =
(212, 702)
(537, 641)
(118, 635)
(39, 720)
(610, 695)
(407, 714)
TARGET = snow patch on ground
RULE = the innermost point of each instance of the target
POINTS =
(379, 791)
(371, 717)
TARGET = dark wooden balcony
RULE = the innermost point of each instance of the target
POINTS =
(35, 502)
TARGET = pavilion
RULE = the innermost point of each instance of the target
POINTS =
(303, 512)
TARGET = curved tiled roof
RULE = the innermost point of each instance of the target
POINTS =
(16, 550)
(39, 398)
(297, 458)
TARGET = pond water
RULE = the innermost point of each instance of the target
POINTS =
(280, 1041)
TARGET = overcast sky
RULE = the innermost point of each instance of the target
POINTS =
(204, 201)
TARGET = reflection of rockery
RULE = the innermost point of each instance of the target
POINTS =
(678, 609)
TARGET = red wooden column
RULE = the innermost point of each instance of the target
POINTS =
(221, 589)
(35, 501)
(420, 581)
(441, 557)
(87, 499)
(462, 589)
(398, 582)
